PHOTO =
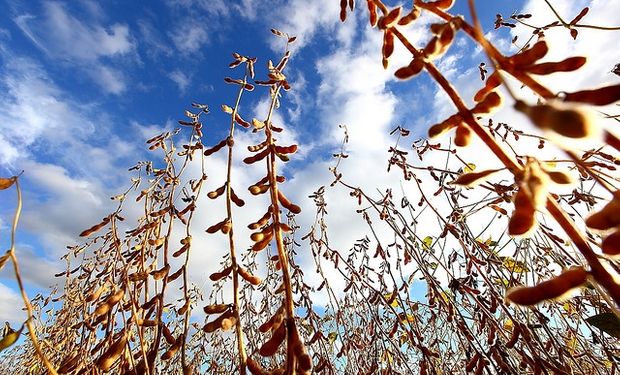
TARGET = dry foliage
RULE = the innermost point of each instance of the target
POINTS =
(119, 310)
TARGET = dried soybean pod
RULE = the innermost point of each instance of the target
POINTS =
(287, 203)
(469, 367)
(567, 65)
(97, 293)
(608, 217)
(411, 70)
(167, 334)
(270, 347)
(215, 148)
(601, 96)
(285, 149)
(531, 55)
(254, 280)
(175, 275)
(111, 355)
(550, 289)
(389, 19)
(388, 46)
(491, 83)
(260, 245)
(516, 332)
(611, 244)
(95, 227)
(216, 227)
(473, 178)
(410, 17)
(254, 367)
(235, 198)
(217, 192)
(216, 308)
(216, 276)
(463, 136)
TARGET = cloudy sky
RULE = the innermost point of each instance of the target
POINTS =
(84, 83)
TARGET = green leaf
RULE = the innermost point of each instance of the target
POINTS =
(427, 242)
(10, 336)
(332, 336)
(470, 167)
(513, 265)
(606, 322)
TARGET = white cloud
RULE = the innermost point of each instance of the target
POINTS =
(31, 107)
(11, 305)
(181, 79)
(189, 37)
(64, 37)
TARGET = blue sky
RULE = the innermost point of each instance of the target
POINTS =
(83, 84)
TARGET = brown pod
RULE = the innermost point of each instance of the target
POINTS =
(254, 367)
(254, 280)
(463, 136)
(170, 352)
(175, 275)
(469, 367)
(258, 147)
(216, 227)
(260, 245)
(492, 82)
(95, 228)
(217, 323)
(270, 347)
(97, 293)
(410, 17)
(490, 102)
(411, 70)
(390, 19)
(262, 221)
(258, 236)
(235, 198)
(275, 320)
(568, 65)
(259, 189)
(286, 149)
(441, 4)
(560, 178)
(550, 289)
(473, 178)
(388, 46)
(432, 48)
(288, 204)
(523, 218)
(514, 337)
(217, 192)
(161, 273)
(181, 251)
(608, 217)
(109, 357)
(602, 96)
(216, 276)
(216, 308)
(531, 55)
(565, 120)
(611, 244)
(256, 157)
(215, 148)
(167, 334)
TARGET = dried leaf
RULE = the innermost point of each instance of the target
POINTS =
(607, 322)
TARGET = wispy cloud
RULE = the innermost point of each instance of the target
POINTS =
(181, 79)
(63, 37)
